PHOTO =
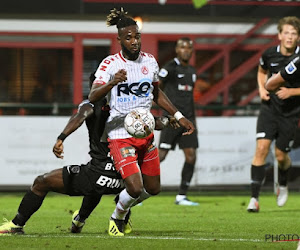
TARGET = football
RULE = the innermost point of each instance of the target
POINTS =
(139, 123)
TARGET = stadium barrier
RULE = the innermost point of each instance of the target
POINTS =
(227, 146)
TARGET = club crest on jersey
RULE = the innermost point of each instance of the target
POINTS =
(145, 70)
(290, 68)
(140, 89)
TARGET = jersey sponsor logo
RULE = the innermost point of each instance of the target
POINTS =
(109, 167)
(185, 87)
(290, 68)
(106, 181)
(180, 75)
(163, 73)
(127, 151)
(145, 70)
(140, 89)
(103, 67)
(274, 64)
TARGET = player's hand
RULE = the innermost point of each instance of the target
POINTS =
(188, 125)
(120, 76)
(58, 149)
(264, 94)
(173, 122)
(284, 93)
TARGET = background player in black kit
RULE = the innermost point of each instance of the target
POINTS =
(91, 180)
(177, 79)
(286, 83)
(278, 116)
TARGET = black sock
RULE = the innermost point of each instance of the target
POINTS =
(186, 176)
(257, 176)
(283, 176)
(28, 206)
(88, 205)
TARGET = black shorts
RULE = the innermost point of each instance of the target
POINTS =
(169, 137)
(276, 127)
(82, 180)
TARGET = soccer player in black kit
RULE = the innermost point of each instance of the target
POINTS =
(91, 180)
(279, 113)
(177, 79)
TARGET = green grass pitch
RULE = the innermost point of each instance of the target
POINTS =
(220, 222)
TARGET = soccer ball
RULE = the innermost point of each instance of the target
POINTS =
(139, 123)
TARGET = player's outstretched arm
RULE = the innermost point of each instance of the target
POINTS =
(73, 124)
(163, 101)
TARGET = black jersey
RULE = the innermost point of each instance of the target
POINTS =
(179, 81)
(99, 151)
(273, 61)
(291, 74)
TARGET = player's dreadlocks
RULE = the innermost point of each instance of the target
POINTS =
(119, 18)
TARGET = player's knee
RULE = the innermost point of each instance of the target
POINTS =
(40, 184)
(284, 161)
(154, 190)
(162, 154)
(191, 159)
(162, 157)
(261, 152)
(134, 191)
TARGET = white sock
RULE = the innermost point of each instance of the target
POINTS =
(180, 197)
(123, 205)
(144, 196)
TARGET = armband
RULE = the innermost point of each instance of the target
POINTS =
(178, 115)
(62, 136)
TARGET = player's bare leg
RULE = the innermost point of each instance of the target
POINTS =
(186, 177)
(258, 172)
(284, 164)
(134, 188)
(33, 199)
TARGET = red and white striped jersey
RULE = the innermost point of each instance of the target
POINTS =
(126, 96)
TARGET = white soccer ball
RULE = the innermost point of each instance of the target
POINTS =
(139, 123)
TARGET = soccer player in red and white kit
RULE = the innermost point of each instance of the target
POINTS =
(130, 80)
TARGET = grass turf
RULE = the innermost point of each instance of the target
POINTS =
(220, 222)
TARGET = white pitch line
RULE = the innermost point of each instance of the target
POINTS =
(136, 237)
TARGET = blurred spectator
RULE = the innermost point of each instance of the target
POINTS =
(201, 86)
(42, 94)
